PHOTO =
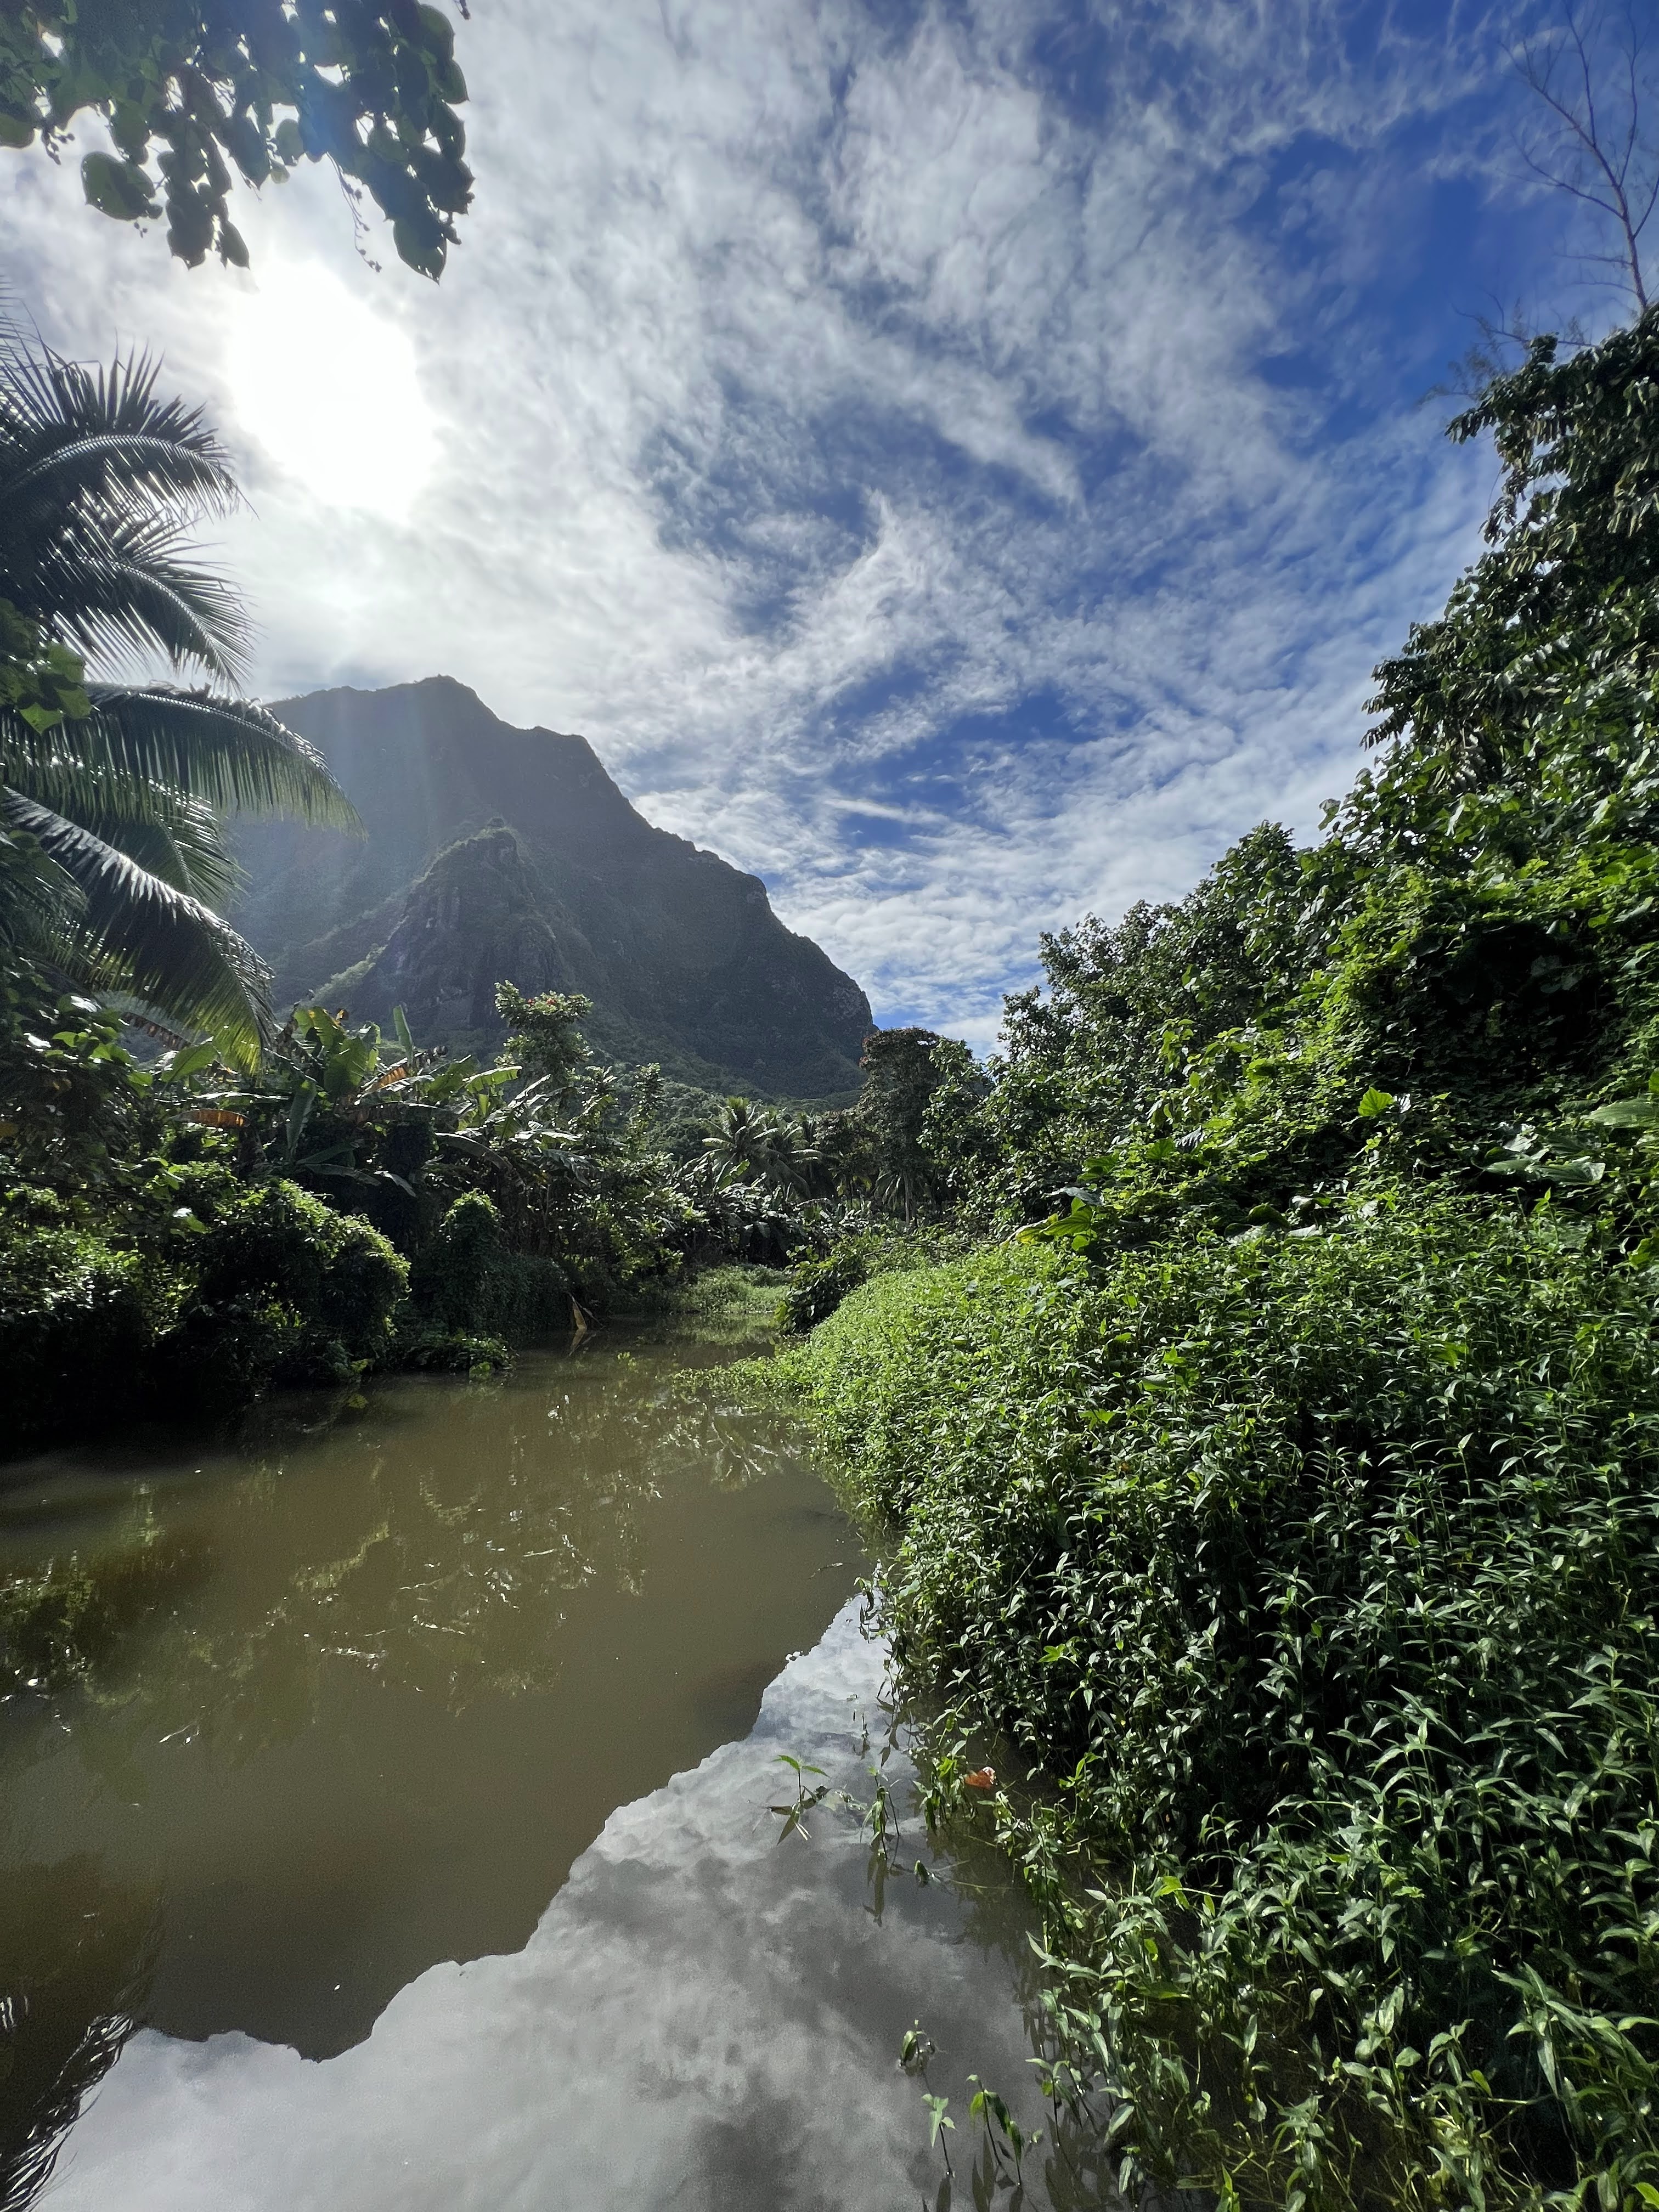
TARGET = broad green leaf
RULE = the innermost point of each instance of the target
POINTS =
(192, 1061)
(1641, 1112)
(118, 189)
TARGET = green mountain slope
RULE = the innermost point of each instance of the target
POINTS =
(494, 852)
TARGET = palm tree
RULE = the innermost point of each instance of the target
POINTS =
(113, 794)
(739, 1139)
(763, 1144)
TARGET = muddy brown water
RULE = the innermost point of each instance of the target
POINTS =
(402, 1776)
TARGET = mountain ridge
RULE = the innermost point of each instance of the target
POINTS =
(493, 848)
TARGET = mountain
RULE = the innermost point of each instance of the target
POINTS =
(496, 853)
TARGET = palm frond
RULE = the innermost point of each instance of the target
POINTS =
(75, 431)
(110, 837)
(98, 478)
(121, 590)
(228, 753)
(176, 837)
(171, 951)
(195, 838)
(37, 901)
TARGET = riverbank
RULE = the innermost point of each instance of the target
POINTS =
(177, 1240)
(1316, 1579)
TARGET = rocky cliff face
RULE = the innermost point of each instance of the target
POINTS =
(496, 853)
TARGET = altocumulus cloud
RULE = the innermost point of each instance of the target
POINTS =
(961, 462)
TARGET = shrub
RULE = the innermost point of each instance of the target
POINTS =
(451, 1277)
(817, 1287)
(435, 1352)
(286, 1290)
(465, 1280)
(75, 1323)
(1315, 1577)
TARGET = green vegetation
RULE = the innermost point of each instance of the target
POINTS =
(1313, 1581)
(1274, 1491)
(734, 1302)
(178, 1235)
(1255, 1362)
(372, 88)
(152, 1281)
(113, 851)
(817, 1287)
(175, 1238)
(195, 1205)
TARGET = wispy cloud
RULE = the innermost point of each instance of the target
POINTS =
(959, 463)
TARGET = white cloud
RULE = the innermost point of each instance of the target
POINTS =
(801, 389)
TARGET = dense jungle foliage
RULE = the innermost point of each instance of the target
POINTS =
(178, 1236)
(1278, 1484)
(1271, 1464)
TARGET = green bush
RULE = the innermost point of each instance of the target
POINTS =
(190, 1194)
(27, 1205)
(1314, 1578)
(434, 1351)
(452, 1279)
(75, 1323)
(286, 1290)
(735, 1304)
(817, 1287)
(464, 1281)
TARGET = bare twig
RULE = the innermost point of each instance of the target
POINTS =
(1594, 81)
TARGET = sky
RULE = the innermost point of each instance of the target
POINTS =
(960, 461)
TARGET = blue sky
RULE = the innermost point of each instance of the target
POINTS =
(960, 461)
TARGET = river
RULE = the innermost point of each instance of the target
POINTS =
(387, 1820)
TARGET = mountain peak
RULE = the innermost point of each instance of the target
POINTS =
(496, 853)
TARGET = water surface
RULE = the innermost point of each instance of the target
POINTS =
(339, 1711)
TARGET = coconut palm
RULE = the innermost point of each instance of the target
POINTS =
(740, 1138)
(763, 1145)
(113, 794)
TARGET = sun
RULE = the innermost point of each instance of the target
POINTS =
(329, 388)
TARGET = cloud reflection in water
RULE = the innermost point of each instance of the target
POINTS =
(704, 2018)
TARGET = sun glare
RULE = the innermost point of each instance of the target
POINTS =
(328, 388)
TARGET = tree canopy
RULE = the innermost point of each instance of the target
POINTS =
(259, 85)
(1462, 961)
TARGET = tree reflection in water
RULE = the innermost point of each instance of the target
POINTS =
(439, 1561)
(281, 1727)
